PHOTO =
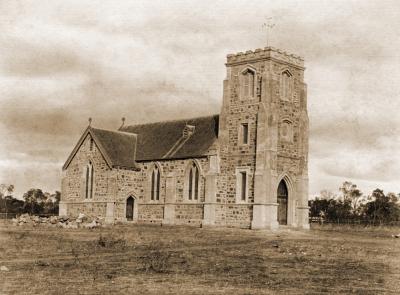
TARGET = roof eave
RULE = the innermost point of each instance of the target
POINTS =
(135, 168)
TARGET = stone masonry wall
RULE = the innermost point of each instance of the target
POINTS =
(116, 185)
(286, 113)
(234, 154)
(138, 185)
(73, 182)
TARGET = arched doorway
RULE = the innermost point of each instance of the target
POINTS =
(282, 203)
(130, 208)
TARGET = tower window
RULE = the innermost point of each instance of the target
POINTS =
(286, 85)
(248, 84)
(242, 184)
(155, 184)
(244, 130)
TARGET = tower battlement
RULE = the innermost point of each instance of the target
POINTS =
(266, 53)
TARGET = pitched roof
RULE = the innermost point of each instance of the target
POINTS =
(168, 139)
(118, 148)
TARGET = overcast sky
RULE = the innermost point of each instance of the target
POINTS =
(64, 61)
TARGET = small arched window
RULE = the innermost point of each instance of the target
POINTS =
(248, 84)
(89, 181)
(91, 144)
(286, 85)
(155, 184)
(193, 182)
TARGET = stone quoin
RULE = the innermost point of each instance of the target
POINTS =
(246, 167)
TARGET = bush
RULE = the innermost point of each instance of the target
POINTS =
(156, 261)
(111, 242)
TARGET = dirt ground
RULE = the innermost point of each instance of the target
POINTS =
(149, 259)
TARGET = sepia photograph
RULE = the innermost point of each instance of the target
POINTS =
(199, 147)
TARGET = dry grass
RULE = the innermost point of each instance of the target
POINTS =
(145, 259)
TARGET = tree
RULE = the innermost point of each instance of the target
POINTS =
(334, 210)
(377, 208)
(340, 210)
(327, 195)
(13, 205)
(383, 208)
(34, 201)
(318, 207)
(51, 203)
(6, 192)
(352, 195)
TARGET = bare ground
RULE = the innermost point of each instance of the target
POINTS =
(148, 259)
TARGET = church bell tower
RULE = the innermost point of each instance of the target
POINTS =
(263, 137)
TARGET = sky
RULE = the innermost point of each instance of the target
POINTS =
(62, 62)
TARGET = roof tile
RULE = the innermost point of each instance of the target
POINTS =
(156, 139)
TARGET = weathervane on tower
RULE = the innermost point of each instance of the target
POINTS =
(268, 25)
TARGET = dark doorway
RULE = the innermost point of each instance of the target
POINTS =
(130, 206)
(282, 202)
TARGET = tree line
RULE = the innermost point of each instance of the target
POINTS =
(34, 201)
(352, 206)
(349, 207)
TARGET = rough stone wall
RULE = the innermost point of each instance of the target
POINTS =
(289, 152)
(234, 215)
(189, 214)
(116, 185)
(281, 155)
(73, 182)
(138, 185)
(151, 213)
(92, 209)
(237, 109)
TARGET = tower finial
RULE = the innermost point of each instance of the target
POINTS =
(268, 25)
(90, 121)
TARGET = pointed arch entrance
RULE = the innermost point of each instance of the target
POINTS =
(283, 203)
(130, 208)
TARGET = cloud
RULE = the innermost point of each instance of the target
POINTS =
(39, 60)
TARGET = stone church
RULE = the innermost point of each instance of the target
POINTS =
(246, 167)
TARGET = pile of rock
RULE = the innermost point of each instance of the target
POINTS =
(58, 221)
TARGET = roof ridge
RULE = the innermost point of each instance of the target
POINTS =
(169, 121)
(116, 131)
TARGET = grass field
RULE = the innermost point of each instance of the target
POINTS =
(145, 259)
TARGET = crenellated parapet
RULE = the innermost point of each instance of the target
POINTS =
(265, 54)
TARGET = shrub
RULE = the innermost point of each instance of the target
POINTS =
(111, 242)
(156, 261)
